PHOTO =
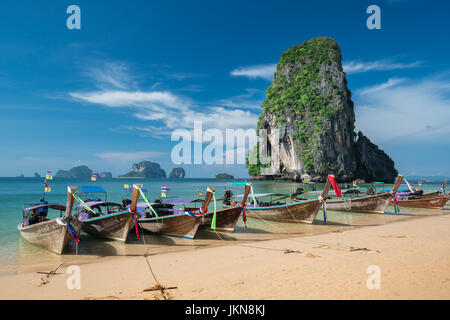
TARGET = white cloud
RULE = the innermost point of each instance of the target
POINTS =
(165, 111)
(170, 110)
(128, 156)
(352, 67)
(154, 100)
(251, 99)
(410, 110)
(383, 86)
(264, 71)
(111, 75)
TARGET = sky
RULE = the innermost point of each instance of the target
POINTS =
(113, 92)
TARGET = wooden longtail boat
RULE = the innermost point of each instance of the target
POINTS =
(437, 192)
(53, 234)
(367, 204)
(299, 212)
(176, 223)
(114, 224)
(429, 202)
(226, 218)
(436, 199)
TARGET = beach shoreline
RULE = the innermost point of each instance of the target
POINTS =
(413, 256)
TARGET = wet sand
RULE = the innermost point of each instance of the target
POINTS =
(412, 250)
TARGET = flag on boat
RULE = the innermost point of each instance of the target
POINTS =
(306, 177)
(200, 194)
(164, 190)
(47, 187)
(49, 175)
(126, 186)
(94, 175)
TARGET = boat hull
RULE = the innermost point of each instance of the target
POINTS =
(113, 226)
(299, 212)
(178, 225)
(49, 234)
(226, 219)
(431, 194)
(432, 202)
(367, 204)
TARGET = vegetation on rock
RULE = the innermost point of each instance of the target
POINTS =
(145, 169)
(224, 176)
(177, 173)
(309, 97)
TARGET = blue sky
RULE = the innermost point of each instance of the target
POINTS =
(111, 93)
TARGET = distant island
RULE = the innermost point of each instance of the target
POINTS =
(80, 172)
(177, 173)
(224, 176)
(75, 172)
(145, 169)
(106, 175)
(37, 175)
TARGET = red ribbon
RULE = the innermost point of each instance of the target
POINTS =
(135, 223)
(244, 216)
(336, 188)
(394, 199)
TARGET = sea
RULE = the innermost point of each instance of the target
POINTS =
(17, 255)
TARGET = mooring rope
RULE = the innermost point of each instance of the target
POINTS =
(158, 284)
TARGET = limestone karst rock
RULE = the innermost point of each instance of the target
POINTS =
(308, 117)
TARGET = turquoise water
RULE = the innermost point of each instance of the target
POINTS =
(15, 192)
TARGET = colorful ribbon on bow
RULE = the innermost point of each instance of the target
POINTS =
(213, 223)
(244, 216)
(146, 201)
(85, 206)
(72, 231)
(336, 188)
(253, 196)
(394, 199)
(199, 213)
(135, 221)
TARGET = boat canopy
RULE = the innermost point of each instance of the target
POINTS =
(181, 201)
(50, 205)
(260, 195)
(92, 189)
(351, 191)
(91, 204)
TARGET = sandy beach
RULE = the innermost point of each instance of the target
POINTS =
(413, 257)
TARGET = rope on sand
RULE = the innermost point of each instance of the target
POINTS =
(158, 285)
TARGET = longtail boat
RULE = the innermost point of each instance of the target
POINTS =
(174, 222)
(50, 234)
(437, 192)
(226, 219)
(367, 204)
(432, 200)
(113, 222)
(429, 202)
(299, 212)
